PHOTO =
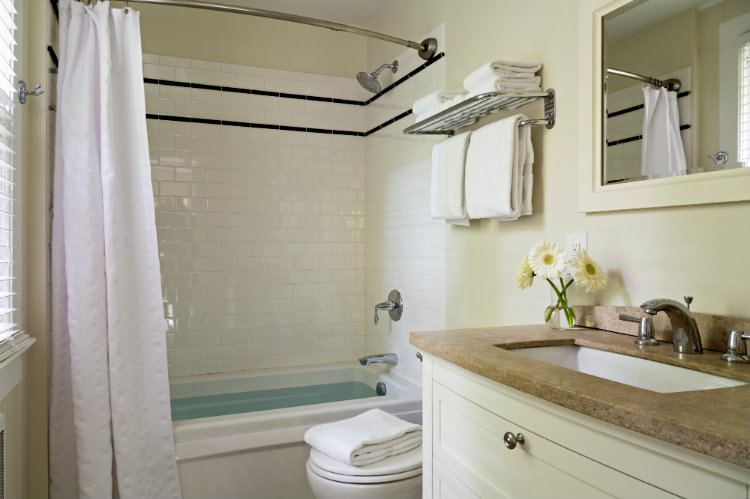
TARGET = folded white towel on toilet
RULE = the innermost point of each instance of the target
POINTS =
(447, 180)
(435, 100)
(498, 175)
(506, 69)
(365, 439)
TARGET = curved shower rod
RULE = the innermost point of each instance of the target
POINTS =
(426, 48)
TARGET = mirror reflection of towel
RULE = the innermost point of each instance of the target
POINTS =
(662, 152)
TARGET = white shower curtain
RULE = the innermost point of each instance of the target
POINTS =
(110, 425)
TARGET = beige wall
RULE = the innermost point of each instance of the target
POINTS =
(700, 250)
(238, 39)
(34, 222)
(662, 48)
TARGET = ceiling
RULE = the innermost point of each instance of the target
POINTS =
(639, 15)
(357, 12)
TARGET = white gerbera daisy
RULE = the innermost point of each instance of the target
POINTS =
(525, 276)
(547, 259)
(587, 273)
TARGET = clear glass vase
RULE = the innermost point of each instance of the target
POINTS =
(559, 316)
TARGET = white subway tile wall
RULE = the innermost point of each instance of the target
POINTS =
(261, 232)
(405, 247)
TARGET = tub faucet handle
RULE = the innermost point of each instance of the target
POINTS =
(393, 305)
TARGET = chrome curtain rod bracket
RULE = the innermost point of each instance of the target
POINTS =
(672, 84)
(426, 49)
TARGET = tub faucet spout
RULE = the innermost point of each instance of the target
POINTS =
(383, 358)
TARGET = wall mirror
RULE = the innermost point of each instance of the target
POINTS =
(671, 110)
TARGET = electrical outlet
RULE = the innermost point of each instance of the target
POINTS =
(576, 242)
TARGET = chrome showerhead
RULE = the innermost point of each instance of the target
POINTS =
(370, 80)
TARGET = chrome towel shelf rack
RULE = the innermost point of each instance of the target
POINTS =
(469, 111)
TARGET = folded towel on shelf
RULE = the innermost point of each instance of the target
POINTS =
(447, 180)
(442, 107)
(499, 178)
(365, 439)
(662, 151)
(434, 100)
(498, 85)
(507, 69)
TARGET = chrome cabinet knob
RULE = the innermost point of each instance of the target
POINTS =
(510, 440)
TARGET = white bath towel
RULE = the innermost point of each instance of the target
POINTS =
(447, 179)
(500, 84)
(662, 152)
(365, 439)
(442, 107)
(502, 68)
(436, 99)
(498, 175)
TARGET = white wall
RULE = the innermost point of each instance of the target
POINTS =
(261, 232)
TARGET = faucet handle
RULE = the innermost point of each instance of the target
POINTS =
(645, 330)
(688, 301)
(736, 347)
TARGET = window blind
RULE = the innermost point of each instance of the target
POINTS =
(8, 63)
(743, 125)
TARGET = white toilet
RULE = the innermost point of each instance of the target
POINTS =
(398, 477)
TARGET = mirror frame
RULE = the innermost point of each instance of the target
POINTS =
(725, 186)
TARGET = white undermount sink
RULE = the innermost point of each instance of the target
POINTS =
(633, 371)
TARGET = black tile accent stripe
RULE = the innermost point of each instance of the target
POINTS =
(269, 93)
(634, 138)
(640, 106)
(408, 75)
(247, 124)
(283, 95)
(53, 55)
(286, 95)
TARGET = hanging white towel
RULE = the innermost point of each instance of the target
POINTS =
(435, 100)
(498, 174)
(447, 182)
(508, 69)
(662, 152)
(365, 439)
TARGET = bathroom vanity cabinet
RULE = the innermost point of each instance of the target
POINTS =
(472, 423)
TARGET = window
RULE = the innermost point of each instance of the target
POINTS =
(10, 336)
(743, 124)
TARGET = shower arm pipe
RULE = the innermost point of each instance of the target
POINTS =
(426, 48)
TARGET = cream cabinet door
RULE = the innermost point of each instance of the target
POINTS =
(468, 441)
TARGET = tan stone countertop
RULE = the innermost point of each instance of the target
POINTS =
(713, 422)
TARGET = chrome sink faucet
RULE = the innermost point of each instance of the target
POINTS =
(685, 335)
(383, 358)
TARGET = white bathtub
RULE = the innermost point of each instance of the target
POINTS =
(261, 455)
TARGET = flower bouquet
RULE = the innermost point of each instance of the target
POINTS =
(550, 262)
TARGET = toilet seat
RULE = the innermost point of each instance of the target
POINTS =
(400, 467)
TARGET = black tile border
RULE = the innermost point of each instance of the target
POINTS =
(316, 98)
(635, 138)
(640, 106)
(283, 95)
(268, 126)
(286, 95)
